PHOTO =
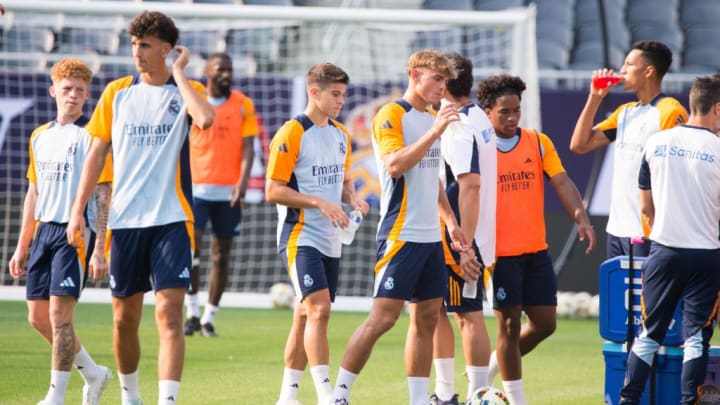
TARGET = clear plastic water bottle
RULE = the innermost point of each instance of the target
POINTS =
(347, 234)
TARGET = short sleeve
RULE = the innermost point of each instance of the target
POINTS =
(552, 165)
(100, 124)
(672, 113)
(106, 175)
(609, 125)
(460, 150)
(644, 174)
(284, 151)
(250, 121)
(387, 128)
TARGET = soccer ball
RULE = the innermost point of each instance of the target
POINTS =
(282, 295)
(583, 300)
(488, 396)
(566, 304)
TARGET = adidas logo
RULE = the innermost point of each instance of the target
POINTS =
(67, 283)
(528, 160)
(124, 388)
(185, 273)
(282, 148)
(343, 386)
(387, 125)
(327, 380)
(171, 398)
(296, 386)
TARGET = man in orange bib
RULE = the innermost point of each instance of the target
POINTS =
(220, 162)
(523, 278)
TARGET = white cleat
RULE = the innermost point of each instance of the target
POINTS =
(92, 392)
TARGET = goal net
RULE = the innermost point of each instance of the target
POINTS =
(272, 49)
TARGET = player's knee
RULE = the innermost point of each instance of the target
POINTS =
(510, 327)
(546, 328)
(39, 323)
(318, 312)
(381, 323)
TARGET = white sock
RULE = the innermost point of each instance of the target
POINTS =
(321, 378)
(86, 366)
(58, 385)
(209, 314)
(168, 392)
(129, 385)
(344, 383)
(444, 378)
(191, 302)
(290, 384)
(514, 391)
(493, 369)
(477, 378)
(418, 388)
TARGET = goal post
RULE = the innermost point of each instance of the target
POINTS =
(272, 49)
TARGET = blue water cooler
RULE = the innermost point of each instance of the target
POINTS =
(618, 292)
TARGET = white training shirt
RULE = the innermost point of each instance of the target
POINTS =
(629, 127)
(682, 168)
(409, 203)
(57, 154)
(469, 146)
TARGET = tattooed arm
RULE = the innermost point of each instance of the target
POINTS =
(98, 264)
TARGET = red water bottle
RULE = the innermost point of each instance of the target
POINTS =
(602, 82)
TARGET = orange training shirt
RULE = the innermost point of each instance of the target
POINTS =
(216, 152)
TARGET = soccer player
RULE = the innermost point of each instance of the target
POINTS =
(679, 187)
(629, 127)
(220, 161)
(54, 269)
(308, 178)
(523, 278)
(469, 150)
(411, 263)
(146, 118)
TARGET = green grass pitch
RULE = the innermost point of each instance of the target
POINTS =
(244, 365)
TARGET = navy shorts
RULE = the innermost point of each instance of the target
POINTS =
(225, 219)
(410, 271)
(454, 301)
(311, 271)
(671, 274)
(54, 267)
(620, 246)
(524, 280)
(157, 257)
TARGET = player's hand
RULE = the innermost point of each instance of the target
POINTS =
(2, 9)
(604, 72)
(75, 230)
(334, 213)
(447, 114)
(360, 204)
(98, 266)
(237, 196)
(471, 267)
(586, 231)
(17, 263)
(181, 57)
(458, 241)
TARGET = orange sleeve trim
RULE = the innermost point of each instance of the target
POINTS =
(387, 128)
(100, 124)
(552, 165)
(672, 113)
(284, 151)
